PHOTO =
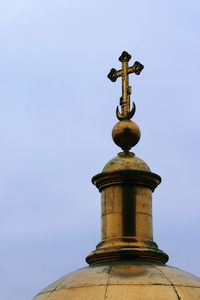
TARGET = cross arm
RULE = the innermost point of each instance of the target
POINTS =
(114, 74)
(136, 68)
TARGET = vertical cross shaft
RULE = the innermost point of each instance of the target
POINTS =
(126, 111)
(125, 99)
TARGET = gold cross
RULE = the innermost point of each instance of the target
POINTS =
(126, 112)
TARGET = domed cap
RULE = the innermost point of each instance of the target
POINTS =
(126, 161)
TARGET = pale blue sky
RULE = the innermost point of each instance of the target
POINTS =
(57, 110)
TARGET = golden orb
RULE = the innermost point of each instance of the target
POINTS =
(126, 134)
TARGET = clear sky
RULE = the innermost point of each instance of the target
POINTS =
(57, 110)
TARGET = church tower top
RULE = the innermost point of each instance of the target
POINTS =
(126, 184)
(126, 264)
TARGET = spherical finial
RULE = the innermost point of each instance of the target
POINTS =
(126, 134)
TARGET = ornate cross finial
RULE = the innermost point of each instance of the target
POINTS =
(126, 112)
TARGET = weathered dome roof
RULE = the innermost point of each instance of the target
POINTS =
(124, 280)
